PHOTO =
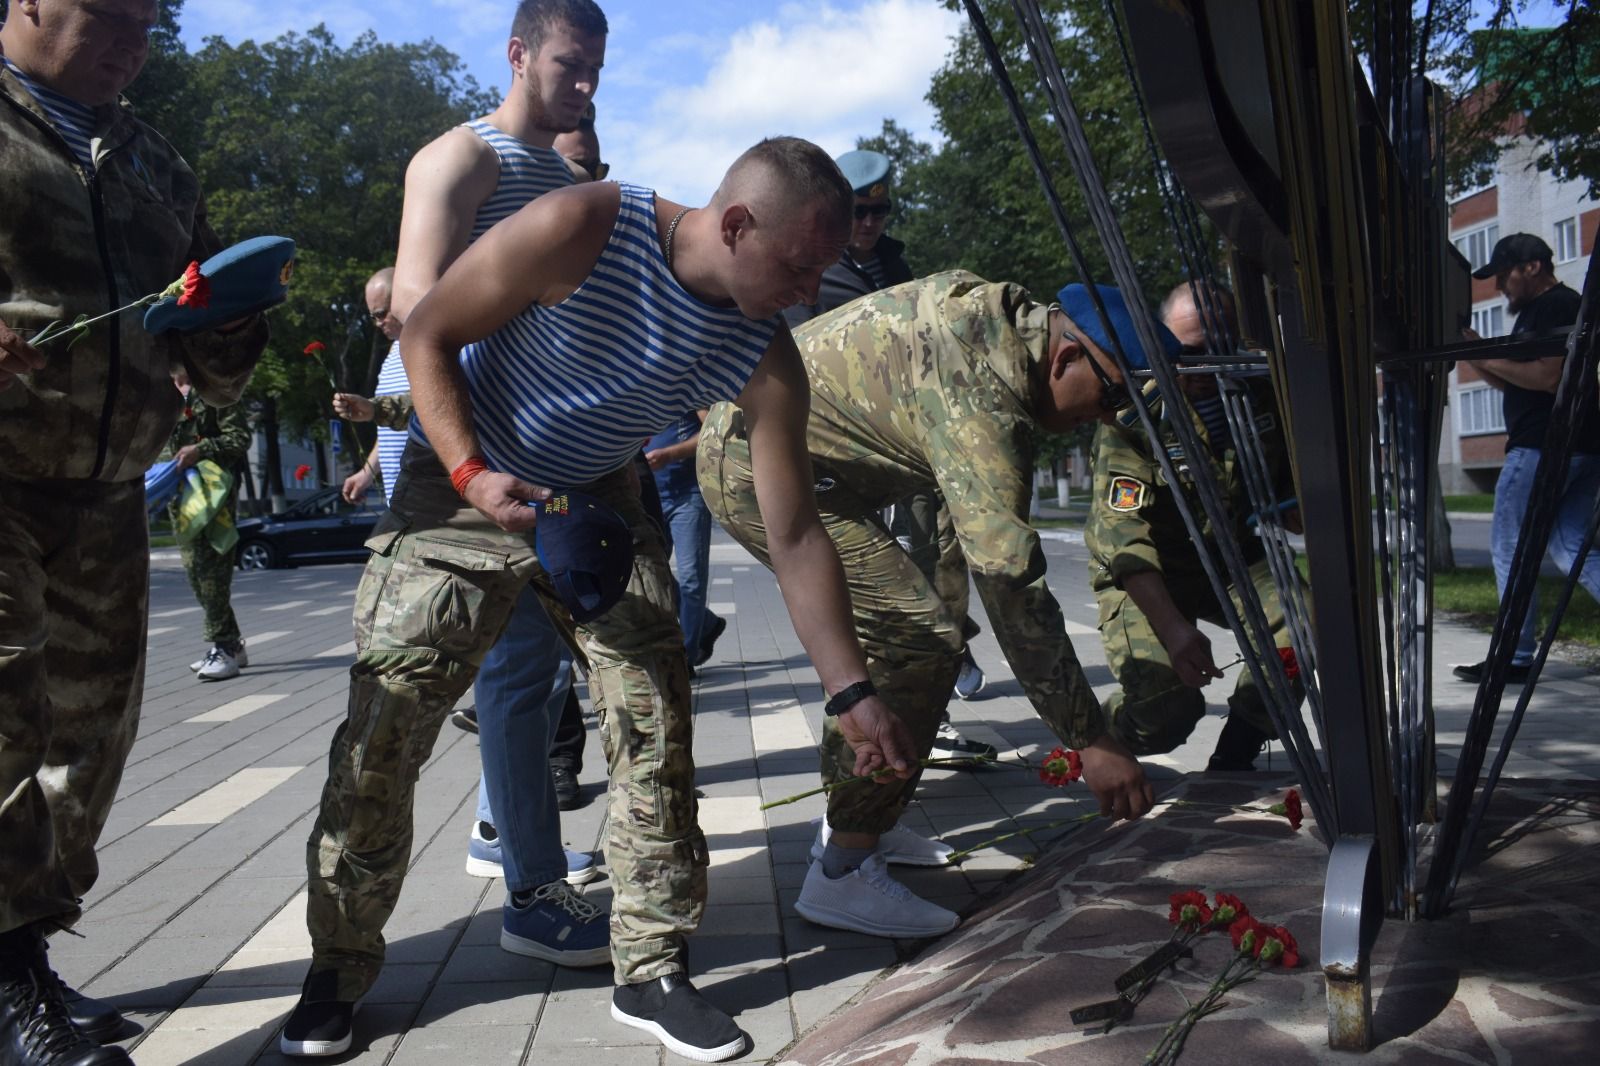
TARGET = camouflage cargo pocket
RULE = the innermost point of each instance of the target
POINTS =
(439, 590)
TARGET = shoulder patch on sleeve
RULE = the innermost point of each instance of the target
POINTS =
(1127, 494)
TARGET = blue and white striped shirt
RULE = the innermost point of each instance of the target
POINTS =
(74, 121)
(562, 395)
(391, 442)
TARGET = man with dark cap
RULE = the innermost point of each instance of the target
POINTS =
(99, 211)
(872, 261)
(1523, 269)
(936, 383)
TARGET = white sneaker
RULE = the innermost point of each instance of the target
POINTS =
(867, 900)
(218, 665)
(241, 659)
(901, 846)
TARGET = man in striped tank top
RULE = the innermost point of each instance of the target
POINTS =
(457, 188)
(588, 320)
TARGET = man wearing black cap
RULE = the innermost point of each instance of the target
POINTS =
(1523, 270)
(938, 383)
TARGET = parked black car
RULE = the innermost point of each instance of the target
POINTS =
(319, 529)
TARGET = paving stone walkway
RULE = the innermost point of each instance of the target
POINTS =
(196, 926)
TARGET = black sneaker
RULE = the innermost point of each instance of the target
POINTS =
(708, 639)
(466, 718)
(319, 1028)
(1473, 672)
(35, 1027)
(567, 791)
(948, 743)
(672, 1011)
(1237, 747)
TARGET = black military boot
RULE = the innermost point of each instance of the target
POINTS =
(35, 1028)
(1237, 747)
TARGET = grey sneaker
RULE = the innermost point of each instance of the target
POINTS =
(218, 665)
(240, 657)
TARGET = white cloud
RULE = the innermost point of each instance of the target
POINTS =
(825, 73)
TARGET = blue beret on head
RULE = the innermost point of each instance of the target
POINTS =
(867, 172)
(1079, 307)
(250, 276)
(587, 549)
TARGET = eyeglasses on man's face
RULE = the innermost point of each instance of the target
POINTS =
(875, 210)
(1114, 396)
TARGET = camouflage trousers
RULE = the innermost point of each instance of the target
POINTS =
(1153, 712)
(74, 586)
(937, 553)
(435, 597)
(911, 638)
(211, 577)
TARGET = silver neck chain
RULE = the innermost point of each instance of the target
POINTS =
(672, 229)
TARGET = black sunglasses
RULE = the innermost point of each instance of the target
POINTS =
(875, 210)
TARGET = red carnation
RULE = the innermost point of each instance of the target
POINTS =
(301, 471)
(1189, 910)
(1291, 950)
(1290, 808)
(1246, 934)
(1230, 909)
(1291, 665)
(196, 289)
(314, 347)
(1062, 767)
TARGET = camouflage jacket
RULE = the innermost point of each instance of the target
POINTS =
(393, 411)
(75, 241)
(929, 384)
(221, 434)
(1134, 524)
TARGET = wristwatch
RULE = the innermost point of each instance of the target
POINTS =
(848, 697)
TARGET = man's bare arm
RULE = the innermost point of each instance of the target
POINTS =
(1540, 375)
(446, 183)
(776, 404)
(538, 255)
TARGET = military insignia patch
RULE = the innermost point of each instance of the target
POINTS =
(1127, 494)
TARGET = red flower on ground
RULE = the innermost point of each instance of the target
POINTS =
(1246, 934)
(1291, 665)
(1291, 950)
(301, 471)
(1189, 910)
(1290, 808)
(1229, 909)
(314, 347)
(1061, 767)
(196, 289)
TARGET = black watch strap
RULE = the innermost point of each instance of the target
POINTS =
(848, 697)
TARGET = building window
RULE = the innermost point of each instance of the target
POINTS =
(1478, 244)
(1566, 240)
(1478, 411)
(1489, 321)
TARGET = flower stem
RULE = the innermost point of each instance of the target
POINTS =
(876, 775)
(959, 856)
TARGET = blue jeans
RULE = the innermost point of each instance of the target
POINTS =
(1511, 495)
(690, 525)
(521, 689)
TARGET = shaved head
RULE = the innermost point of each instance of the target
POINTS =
(786, 179)
(1179, 314)
(380, 284)
(380, 298)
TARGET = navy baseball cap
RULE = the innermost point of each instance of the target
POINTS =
(1076, 303)
(1514, 250)
(247, 277)
(587, 549)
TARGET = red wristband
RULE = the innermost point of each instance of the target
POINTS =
(462, 475)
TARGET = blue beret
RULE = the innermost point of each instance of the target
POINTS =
(587, 549)
(1079, 307)
(250, 276)
(867, 172)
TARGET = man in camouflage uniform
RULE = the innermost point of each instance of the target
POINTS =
(99, 212)
(1148, 578)
(222, 436)
(937, 383)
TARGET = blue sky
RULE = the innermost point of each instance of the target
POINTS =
(687, 86)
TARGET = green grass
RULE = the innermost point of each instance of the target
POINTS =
(1473, 503)
(1470, 592)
